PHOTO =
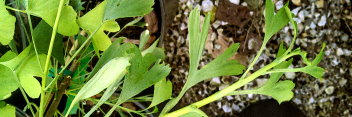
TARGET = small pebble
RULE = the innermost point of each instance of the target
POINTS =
(261, 82)
(320, 3)
(339, 52)
(329, 90)
(322, 21)
(312, 25)
(215, 81)
(290, 75)
(297, 101)
(207, 5)
(347, 52)
(344, 37)
(279, 5)
(235, 1)
(342, 82)
(236, 107)
(226, 108)
(311, 100)
(296, 2)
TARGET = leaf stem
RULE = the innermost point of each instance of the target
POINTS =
(46, 69)
(72, 58)
(228, 90)
(17, 10)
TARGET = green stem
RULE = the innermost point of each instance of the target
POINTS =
(72, 58)
(228, 90)
(13, 9)
(46, 69)
(254, 60)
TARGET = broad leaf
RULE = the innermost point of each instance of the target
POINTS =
(280, 91)
(274, 22)
(109, 74)
(27, 72)
(7, 56)
(315, 71)
(107, 94)
(42, 35)
(140, 78)
(127, 8)
(162, 92)
(8, 110)
(7, 24)
(221, 66)
(195, 112)
(47, 10)
(94, 20)
(8, 82)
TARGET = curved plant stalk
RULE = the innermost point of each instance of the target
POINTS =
(46, 69)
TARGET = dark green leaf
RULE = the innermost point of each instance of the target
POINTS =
(42, 35)
(127, 8)
(77, 5)
(282, 50)
(320, 56)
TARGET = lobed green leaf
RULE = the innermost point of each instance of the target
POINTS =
(127, 8)
(7, 24)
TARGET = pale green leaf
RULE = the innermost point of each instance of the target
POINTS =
(162, 92)
(47, 10)
(7, 56)
(143, 39)
(42, 35)
(26, 72)
(107, 94)
(140, 78)
(195, 112)
(7, 25)
(282, 50)
(94, 20)
(280, 91)
(8, 82)
(110, 73)
(8, 110)
(273, 23)
(15, 62)
(315, 71)
(221, 66)
(127, 8)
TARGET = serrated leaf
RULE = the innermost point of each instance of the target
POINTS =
(280, 91)
(221, 66)
(26, 72)
(8, 82)
(42, 35)
(47, 10)
(94, 20)
(7, 24)
(77, 5)
(314, 71)
(162, 92)
(274, 22)
(140, 78)
(8, 111)
(127, 8)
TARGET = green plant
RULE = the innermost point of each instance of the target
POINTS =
(222, 66)
(122, 68)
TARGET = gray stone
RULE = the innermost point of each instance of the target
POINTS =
(330, 90)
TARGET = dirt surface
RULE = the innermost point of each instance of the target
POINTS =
(242, 21)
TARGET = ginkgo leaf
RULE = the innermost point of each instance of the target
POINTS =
(315, 71)
(274, 22)
(8, 82)
(7, 24)
(92, 21)
(127, 8)
(162, 92)
(8, 110)
(47, 10)
(27, 71)
(7, 56)
(280, 91)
